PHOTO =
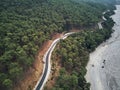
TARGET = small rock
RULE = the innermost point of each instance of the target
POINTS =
(102, 66)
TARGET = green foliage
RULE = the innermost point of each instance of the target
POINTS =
(7, 83)
(15, 71)
(73, 58)
(26, 24)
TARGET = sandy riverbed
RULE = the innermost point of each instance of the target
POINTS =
(103, 69)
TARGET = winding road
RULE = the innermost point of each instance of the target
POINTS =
(47, 66)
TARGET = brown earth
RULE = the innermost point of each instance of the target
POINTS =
(33, 74)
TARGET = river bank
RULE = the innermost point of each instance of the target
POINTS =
(105, 73)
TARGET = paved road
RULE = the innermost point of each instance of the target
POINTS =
(47, 66)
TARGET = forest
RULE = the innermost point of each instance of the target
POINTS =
(74, 55)
(26, 24)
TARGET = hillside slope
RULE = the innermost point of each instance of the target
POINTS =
(26, 24)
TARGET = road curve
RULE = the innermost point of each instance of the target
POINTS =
(47, 66)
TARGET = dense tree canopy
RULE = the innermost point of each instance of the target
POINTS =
(26, 24)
